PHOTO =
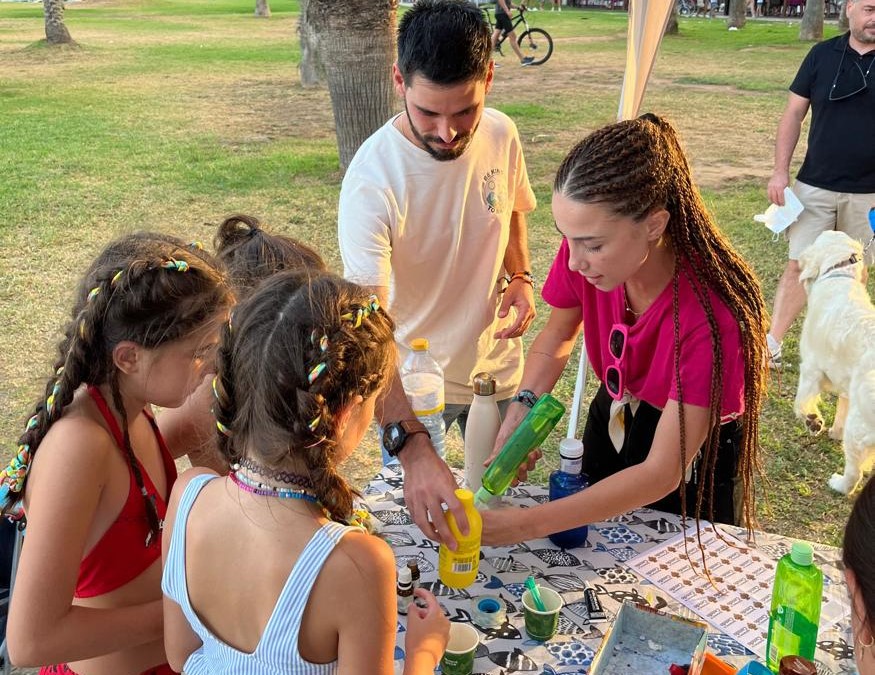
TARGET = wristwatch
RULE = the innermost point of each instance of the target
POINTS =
(395, 435)
(526, 397)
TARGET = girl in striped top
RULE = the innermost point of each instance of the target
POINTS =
(260, 575)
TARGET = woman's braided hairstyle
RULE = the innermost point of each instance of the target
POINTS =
(251, 254)
(145, 288)
(293, 356)
(634, 167)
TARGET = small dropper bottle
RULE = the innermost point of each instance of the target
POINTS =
(404, 590)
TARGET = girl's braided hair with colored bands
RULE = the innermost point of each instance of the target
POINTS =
(296, 353)
(149, 289)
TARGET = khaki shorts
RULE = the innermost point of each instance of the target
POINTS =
(827, 210)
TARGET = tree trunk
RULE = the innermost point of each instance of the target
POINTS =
(843, 17)
(811, 27)
(262, 9)
(671, 28)
(737, 13)
(56, 31)
(356, 49)
(311, 75)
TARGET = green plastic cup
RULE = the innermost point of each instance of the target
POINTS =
(458, 659)
(541, 625)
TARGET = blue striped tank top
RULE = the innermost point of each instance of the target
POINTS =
(277, 650)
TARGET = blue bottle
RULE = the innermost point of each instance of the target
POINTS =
(567, 481)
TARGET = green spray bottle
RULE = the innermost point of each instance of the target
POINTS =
(795, 611)
(531, 432)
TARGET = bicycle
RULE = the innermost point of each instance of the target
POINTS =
(533, 42)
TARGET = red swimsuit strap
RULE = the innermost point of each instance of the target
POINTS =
(111, 422)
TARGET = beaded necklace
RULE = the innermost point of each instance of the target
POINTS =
(252, 486)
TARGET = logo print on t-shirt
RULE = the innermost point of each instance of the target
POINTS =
(494, 191)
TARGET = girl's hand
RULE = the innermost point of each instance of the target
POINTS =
(427, 629)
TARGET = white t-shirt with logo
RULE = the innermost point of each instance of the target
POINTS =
(435, 232)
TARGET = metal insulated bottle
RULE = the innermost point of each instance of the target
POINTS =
(481, 429)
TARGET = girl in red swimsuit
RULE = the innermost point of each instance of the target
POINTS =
(143, 330)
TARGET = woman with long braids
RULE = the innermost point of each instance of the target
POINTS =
(262, 575)
(674, 327)
(92, 468)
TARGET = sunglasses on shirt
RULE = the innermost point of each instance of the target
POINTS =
(854, 80)
(613, 379)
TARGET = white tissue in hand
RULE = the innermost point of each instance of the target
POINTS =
(778, 218)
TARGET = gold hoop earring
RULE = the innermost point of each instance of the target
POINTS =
(867, 645)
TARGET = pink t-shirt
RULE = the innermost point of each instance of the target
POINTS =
(648, 364)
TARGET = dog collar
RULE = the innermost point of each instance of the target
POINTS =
(839, 268)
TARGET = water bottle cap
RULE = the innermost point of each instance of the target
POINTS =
(801, 553)
(419, 344)
(465, 496)
(404, 577)
(570, 448)
(484, 384)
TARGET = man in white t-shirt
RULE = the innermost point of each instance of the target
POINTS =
(432, 216)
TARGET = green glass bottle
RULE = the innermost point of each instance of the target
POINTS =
(795, 611)
(531, 432)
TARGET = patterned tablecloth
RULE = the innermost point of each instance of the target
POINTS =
(600, 563)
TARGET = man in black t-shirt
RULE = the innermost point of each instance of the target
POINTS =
(504, 25)
(836, 183)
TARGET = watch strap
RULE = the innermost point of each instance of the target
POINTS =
(527, 397)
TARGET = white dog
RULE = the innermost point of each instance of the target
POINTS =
(837, 350)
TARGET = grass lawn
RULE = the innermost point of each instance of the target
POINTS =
(175, 113)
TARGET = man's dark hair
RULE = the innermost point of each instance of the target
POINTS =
(444, 41)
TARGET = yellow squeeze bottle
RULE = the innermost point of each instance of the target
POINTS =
(458, 569)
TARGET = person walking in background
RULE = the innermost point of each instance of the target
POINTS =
(836, 183)
(503, 25)
(432, 217)
(858, 554)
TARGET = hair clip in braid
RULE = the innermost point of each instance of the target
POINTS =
(225, 431)
(323, 344)
(16, 471)
(315, 423)
(93, 293)
(215, 389)
(373, 302)
(316, 371)
(50, 401)
(196, 246)
(31, 423)
(83, 330)
(174, 264)
(116, 278)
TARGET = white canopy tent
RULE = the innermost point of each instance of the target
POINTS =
(647, 22)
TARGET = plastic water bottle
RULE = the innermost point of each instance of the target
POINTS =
(567, 481)
(482, 427)
(423, 381)
(531, 432)
(795, 611)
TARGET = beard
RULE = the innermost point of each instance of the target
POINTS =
(441, 154)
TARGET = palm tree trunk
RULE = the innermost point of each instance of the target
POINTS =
(56, 31)
(262, 9)
(310, 71)
(356, 50)
(811, 27)
(737, 13)
(671, 28)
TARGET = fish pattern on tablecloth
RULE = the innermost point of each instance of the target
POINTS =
(599, 564)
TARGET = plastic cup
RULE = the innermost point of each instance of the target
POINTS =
(541, 626)
(458, 659)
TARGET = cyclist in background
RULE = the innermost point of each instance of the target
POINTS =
(503, 25)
